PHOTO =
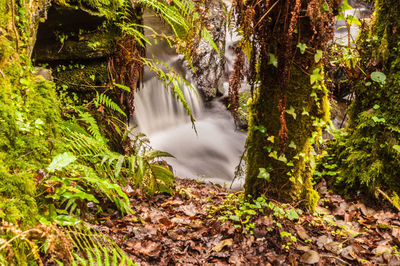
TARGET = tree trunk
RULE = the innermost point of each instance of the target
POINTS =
(371, 154)
(289, 104)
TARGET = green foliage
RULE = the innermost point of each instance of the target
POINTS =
(94, 248)
(367, 158)
(89, 168)
(243, 212)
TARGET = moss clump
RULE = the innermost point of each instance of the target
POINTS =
(369, 158)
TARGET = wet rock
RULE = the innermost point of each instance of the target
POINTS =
(208, 64)
(44, 73)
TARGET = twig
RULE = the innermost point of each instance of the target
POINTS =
(17, 236)
(335, 257)
(2, 74)
(388, 198)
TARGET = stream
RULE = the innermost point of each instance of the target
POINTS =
(214, 152)
(210, 155)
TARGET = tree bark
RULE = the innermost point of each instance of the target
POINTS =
(289, 105)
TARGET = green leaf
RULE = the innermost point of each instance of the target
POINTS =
(397, 148)
(234, 218)
(305, 112)
(60, 161)
(315, 76)
(263, 174)
(282, 158)
(325, 7)
(378, 120)
(302, 47)
(378, 77)
(272, 60)
(150, 155)
(66, 220)
(292, 145)
(318, 56)
(376, 107)
(205, 34)
(353, 20)
(81, 195)
(292, 215)
(345, 6)
(292, 112)
(122, 87)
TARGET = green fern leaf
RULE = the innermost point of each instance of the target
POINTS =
(60, 161)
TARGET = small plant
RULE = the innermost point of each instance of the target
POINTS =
(242, 211)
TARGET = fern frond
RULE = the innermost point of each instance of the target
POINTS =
(93, 127)
(95, 248)
(103, 99)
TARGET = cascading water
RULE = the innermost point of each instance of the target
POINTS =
(214, 152)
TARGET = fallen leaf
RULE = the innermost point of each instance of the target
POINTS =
(224, 243)
(310, 257)
(334, 247)
(148, 248)
(302, 232)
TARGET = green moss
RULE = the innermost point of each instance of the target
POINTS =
(290, 177)
(368, 158)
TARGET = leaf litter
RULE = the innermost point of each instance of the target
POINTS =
(178, 230)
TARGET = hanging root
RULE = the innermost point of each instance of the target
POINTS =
(235, 83)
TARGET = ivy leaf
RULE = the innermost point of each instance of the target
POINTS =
(318, 56)
(292, 215)
(282, 158)
(292, 145)
(263, 174)
(274, 155)
(302, 47)
(315, 76)
(345, 6)
(271, 139)
(272, 60)
(353, 20)
(378, 77)
(292, 112)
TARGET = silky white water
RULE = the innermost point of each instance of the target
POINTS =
(211, 155)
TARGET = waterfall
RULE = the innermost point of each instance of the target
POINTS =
(213, 153)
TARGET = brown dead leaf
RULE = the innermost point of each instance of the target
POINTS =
(302, 232)
(310, 257)
(147, 248)
(224, 243)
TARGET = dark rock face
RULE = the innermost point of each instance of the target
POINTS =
(208, 64)
(70, 33)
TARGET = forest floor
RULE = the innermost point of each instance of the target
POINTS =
(182, 229)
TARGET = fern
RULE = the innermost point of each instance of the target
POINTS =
(95, 248)
(93, 127)
(103, 99)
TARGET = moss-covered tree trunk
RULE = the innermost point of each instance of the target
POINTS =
(289, 105)
(371, 152)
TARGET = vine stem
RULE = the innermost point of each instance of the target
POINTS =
(14, 27)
